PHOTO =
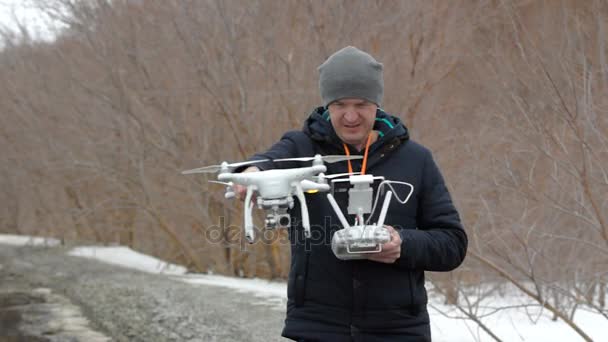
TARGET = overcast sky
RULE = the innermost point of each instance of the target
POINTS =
(25, 12)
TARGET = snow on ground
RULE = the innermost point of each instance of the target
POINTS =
(22, 240)
(271, 293)
(261, 287)
(517, 323)
(126, 257)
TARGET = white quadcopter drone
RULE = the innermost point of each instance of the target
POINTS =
(275, 188)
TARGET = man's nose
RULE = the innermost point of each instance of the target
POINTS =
(350, 115)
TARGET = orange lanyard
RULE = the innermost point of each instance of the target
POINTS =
(364, 165)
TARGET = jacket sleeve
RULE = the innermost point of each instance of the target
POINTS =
(439, 243)
(285, 148)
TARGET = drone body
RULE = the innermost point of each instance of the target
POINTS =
(275, 190)
(276, 183)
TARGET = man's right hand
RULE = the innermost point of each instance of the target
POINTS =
(240, 190)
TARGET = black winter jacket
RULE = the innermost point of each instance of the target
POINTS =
(361, 300)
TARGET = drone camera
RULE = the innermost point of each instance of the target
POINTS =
(277, 220)
(284, 220)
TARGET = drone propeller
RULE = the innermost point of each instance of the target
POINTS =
(223, 183)
(229, 191)
(216, 168)
(327, 159)
(336, 175)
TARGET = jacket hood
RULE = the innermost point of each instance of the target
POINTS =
(319, 128)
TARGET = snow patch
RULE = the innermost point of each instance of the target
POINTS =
(259, 287)
(22, 240)
(126, 257)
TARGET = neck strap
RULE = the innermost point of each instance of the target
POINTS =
(364, 165)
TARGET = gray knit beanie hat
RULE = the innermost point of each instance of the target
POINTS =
(351, 72)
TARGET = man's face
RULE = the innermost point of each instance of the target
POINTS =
(353, 119)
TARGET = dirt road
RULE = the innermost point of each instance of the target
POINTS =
(46, 295)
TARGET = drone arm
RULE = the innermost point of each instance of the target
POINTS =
(341, 217)
(304, 208)
(308, 185)
(249, 232)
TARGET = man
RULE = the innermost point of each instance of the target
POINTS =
(383, 297)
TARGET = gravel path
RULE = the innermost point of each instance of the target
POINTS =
(46, 295)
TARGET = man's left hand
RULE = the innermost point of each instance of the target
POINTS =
(391, 251)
